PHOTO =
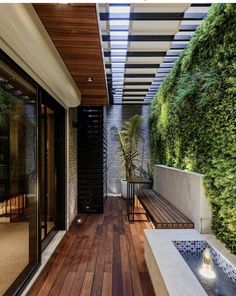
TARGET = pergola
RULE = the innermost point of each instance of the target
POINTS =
(141, 43)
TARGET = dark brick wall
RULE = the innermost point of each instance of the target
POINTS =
(116, 115)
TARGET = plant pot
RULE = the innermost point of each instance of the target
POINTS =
(124, 188)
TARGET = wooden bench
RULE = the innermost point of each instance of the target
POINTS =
(161, 212)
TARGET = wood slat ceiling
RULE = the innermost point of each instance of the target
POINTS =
(74, 31)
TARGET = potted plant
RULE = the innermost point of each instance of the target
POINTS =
(129, 136)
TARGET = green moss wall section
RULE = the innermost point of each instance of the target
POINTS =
(193, 117)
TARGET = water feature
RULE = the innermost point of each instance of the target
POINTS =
(206, 267)
(216, 275)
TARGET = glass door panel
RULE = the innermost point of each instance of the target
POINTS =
(51, 198)
(48, 180)
(43, 184)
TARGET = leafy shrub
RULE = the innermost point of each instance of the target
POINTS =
(193, 116)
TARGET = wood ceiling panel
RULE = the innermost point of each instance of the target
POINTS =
(74, 31)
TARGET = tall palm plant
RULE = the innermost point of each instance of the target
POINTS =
(129, 136)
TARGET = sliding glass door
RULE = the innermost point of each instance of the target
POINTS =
(32, 174)
(18, 179)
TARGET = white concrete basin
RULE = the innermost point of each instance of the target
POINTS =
(169, 272)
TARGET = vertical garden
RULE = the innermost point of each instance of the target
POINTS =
(193, 116)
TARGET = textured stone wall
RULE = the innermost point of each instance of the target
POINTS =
(116, 115)
(72, 188)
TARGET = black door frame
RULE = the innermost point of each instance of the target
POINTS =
(60, 162)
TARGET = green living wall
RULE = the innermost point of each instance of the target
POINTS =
(193, 117)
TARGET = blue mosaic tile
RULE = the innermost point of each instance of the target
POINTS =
(198, 247)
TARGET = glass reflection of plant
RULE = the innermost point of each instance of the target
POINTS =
(14, 119)
(6, 108)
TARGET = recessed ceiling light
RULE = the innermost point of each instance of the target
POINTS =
(90, 79)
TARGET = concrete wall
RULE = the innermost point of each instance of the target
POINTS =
(184, 190)
(72, 188)
(116, 115)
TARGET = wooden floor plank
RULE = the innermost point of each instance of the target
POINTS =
(65, 279)
(117, 289)
(71, 272)
(102, 256)
(94, 250)
(66, 276)
(107, 284)
(109, 249)
(87, 284)
(138, 249)
(134, 271)
(126, 276)
(83, 263)
(99, 268)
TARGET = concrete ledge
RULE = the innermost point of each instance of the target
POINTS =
(168, 271)
(185, 190)
(154, 271)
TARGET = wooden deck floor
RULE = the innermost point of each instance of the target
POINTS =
(103, 256)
